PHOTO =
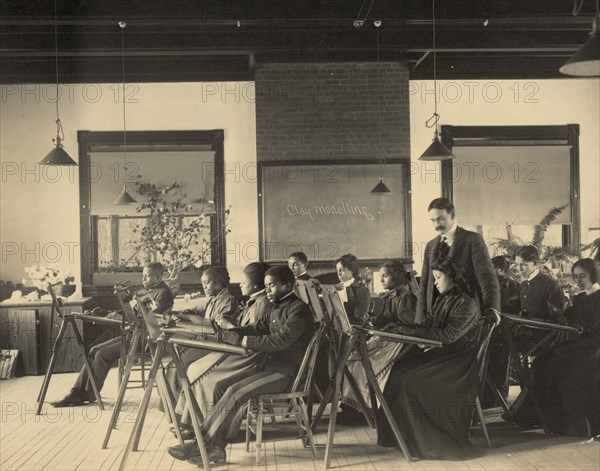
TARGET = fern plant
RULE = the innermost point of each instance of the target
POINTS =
(541, 228)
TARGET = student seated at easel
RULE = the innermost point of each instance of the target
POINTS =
(106, 352)
(277, 344)
(298, 263)
(353, 293)
(398, 307)
(257, 307)
(541, 297)
(222, 310)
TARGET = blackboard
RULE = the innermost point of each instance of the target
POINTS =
(326, 210)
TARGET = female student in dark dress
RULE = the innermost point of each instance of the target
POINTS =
(398, 306)
(566, 380)
(431, 392)
(355, 296)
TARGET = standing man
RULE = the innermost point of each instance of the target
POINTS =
(465, 248)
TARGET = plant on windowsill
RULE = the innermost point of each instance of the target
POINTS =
(553, 259)
(176, 233)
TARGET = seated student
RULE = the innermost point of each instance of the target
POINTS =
(431, 391)
(541, 297)
(399, 305)
(298, 263)
(355, 296)
(279, 341)
(107, 352)
(221, 308)
(509, 288)
(566, 380)
(257, 307)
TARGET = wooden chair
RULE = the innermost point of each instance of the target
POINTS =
(490, 322)
(71, 319)
(300, 391)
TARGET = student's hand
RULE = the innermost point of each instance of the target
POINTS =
(153, 305)
(114, 315)
(229, 337)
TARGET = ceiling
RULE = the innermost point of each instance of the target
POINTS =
(195, 40)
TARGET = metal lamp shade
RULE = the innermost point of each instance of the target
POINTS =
(381, 188)
(58, 156)
(586, 61)
(437, 151)
(124, 198)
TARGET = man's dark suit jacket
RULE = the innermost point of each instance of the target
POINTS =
(470, 252)
(283, 334)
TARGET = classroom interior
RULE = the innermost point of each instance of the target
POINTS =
(271, 123)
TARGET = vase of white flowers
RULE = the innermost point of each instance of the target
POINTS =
(42, 276)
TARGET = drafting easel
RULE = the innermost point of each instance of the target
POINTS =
(164, 346)
(354, 337)
(70, 319)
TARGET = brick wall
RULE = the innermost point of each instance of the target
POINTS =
(332, 111)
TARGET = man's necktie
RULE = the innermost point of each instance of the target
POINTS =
(443, 248)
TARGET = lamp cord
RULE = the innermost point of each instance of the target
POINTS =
(60, 135)
(122, 24)
(431, 122)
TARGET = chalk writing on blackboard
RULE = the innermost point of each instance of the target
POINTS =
(343, 208)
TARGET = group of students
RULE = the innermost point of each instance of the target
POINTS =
(431, 392)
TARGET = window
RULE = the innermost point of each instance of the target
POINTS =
(193, 159)
(520, 172)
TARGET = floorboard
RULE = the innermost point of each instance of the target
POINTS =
(70, 439)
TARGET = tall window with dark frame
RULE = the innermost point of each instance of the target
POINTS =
(189, 165)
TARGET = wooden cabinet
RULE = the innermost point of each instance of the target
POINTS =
(31, 328)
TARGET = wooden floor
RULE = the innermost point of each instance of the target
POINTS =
(70, 439)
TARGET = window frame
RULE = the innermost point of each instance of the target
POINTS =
(90, 139)
(491, 136)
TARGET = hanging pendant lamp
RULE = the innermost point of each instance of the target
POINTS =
(124, 198)
(436, 150)
(381, 188)
(586, 61)
(58, 155)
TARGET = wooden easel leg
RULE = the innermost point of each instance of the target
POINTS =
(122, 387)
(48, 376)
(372, 380)
(524, 377)
(134, 437)
(194, 409)
(168, 400)
(86, 363)
(482, 421)
(359, 398)
(346, 347)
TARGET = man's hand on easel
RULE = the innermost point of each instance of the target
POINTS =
(114, 315)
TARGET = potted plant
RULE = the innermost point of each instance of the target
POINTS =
(176, 233)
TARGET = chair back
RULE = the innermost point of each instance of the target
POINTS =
(304, 377)
(490, 322)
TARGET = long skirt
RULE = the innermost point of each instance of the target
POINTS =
(432, 397)
(566, 382)
(382, 355)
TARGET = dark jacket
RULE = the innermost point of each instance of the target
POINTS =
(454, 318)
(542, 298)
(256, 308)
(470, 252)
(398, 308)
(162, 295)
(359, 300)
(304, 277)
(283, 334)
